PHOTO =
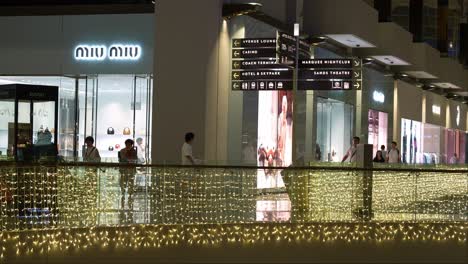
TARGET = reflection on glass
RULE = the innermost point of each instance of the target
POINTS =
(43, 123)
(274, 209)
(7, 117)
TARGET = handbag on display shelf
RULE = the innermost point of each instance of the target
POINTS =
(126, 131)
(110, 131)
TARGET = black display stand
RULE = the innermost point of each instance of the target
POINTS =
(21, 145)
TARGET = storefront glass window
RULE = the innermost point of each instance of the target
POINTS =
(411, 151)
(334, 129)
(378, 127)
(111, 108)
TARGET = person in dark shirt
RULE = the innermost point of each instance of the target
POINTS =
(379, 157)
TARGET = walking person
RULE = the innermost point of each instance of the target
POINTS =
(351, 153)
(127, 155)
(186, 152)
(91, 153)
(393, 155)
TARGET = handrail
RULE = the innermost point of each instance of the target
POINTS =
(347, 166)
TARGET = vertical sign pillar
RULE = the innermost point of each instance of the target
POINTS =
(364, 161)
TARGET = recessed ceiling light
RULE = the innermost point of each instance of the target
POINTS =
(350, 40)
(391, 60)
(420, 75)
(446, 85)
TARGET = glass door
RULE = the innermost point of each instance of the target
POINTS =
(141, 105)
(334, 129)
(87, 100)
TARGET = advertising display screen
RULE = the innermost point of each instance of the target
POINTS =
(378, 127)
(411, 152)
(274, 138)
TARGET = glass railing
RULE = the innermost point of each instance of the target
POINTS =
(87, 195)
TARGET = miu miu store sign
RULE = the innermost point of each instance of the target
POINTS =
(113, 52)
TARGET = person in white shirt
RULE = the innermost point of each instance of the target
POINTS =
(393, 155)
(140, 150)
(351, 153)
(186, 153)
(91, 154)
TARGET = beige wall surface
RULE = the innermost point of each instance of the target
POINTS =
(186, 69)
(435, 101)
(409, 101)
(408, 104)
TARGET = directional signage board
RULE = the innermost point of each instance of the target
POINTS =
(285, 38)
(254, 43)
(262, 75)
(262, 85)
(330, 63)
(329, 74)
(254, 53)
(290, 52)
(267, 64)
(256, 64)
(329, 85)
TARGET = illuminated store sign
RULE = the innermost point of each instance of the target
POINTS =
(378, 97)
(113, 52)
(436, 109)
(457, 119)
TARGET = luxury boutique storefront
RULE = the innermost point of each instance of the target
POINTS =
(102, 68)
(111, 108)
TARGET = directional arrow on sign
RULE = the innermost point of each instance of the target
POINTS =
(236, 86)
(236, 53)
(357, 74)
(236, 75)
(236, 65)
(357, 85)
(237, 43)
(357, 63)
